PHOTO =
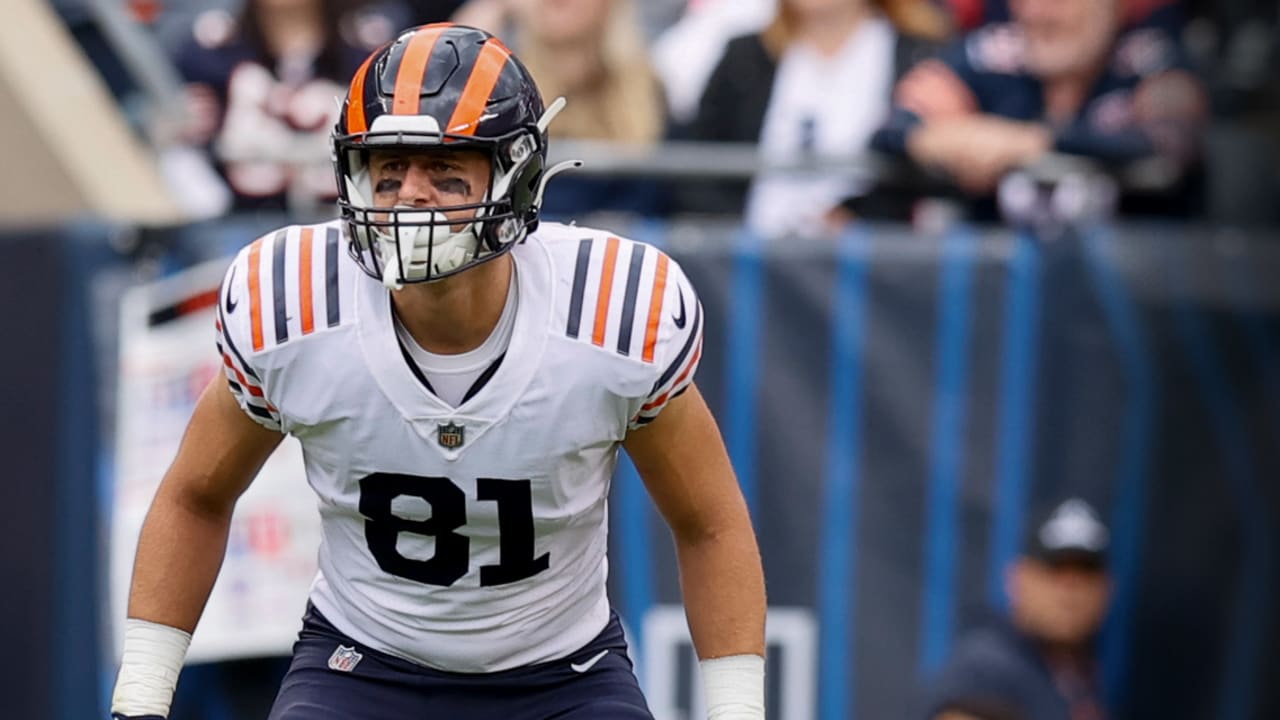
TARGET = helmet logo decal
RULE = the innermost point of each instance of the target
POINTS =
(355, 100)
(475, 95)
(413, 68)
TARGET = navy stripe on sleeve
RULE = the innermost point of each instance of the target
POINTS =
(579, 287)
(278, 294)
(331, 275)
(675, 365)
(629, 301)
(226, 335)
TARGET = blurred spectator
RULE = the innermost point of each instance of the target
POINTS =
(688, 51)
(1060, 77)
(815, 84)
(260, 95)
(592, 53)
(1041, 663)
(372, 22)
(658, 15)
(422, 12)
(1237, 45)
(970, 14)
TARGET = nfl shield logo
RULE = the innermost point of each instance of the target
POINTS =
(450, 436)
(344, 659)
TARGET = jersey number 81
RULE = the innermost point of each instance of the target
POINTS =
(452, 558)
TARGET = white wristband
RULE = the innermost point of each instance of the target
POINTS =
(734, 687)
(149, 667)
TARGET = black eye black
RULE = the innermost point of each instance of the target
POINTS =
(387, 185)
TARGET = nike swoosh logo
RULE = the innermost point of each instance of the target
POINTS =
(231, 283)
(680, 319)
(583, 667)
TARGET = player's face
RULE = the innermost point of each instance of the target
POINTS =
(1066, 37)
(430, 179)
(1061, 603)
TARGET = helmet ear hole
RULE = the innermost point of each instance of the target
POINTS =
(524, 191)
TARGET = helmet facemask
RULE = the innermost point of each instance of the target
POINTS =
(402, 244)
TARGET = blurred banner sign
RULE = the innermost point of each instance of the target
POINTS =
(167, 357)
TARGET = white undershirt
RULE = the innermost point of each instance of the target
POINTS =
(451, 376)
(826, 107)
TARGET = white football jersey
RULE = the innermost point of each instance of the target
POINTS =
(469, 539)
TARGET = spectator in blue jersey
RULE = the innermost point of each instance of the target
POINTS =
(1060, 77)
(1040, 663)
(260, 95)
(1168, 14)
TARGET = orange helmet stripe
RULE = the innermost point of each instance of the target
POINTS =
(484, 76)
(355, 100)
(413, 68)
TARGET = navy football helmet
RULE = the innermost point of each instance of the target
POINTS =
(453, 86)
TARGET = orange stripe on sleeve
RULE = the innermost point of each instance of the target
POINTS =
(606, 289)
(413, 67)
(243, 381)
(304, 281)
(655, 307)
(475, 96)
(356, 122)
(662, 399)
(255, 292)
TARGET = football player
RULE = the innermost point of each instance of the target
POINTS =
(461, 379)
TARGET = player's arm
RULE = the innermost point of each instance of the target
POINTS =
(682, 460)
(182, 544)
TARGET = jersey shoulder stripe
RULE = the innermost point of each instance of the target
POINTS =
(281, 287)
(246, 385)
(616, 296)
(677, 376)
(292, 284)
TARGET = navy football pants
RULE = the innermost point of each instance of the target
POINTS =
(383, 687)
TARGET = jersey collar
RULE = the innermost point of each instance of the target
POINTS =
(415, 403)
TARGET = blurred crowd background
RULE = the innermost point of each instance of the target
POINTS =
(1177, 100)
(1031, 246)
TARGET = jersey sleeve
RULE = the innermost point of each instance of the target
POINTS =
(236, 344)
(677, 314)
